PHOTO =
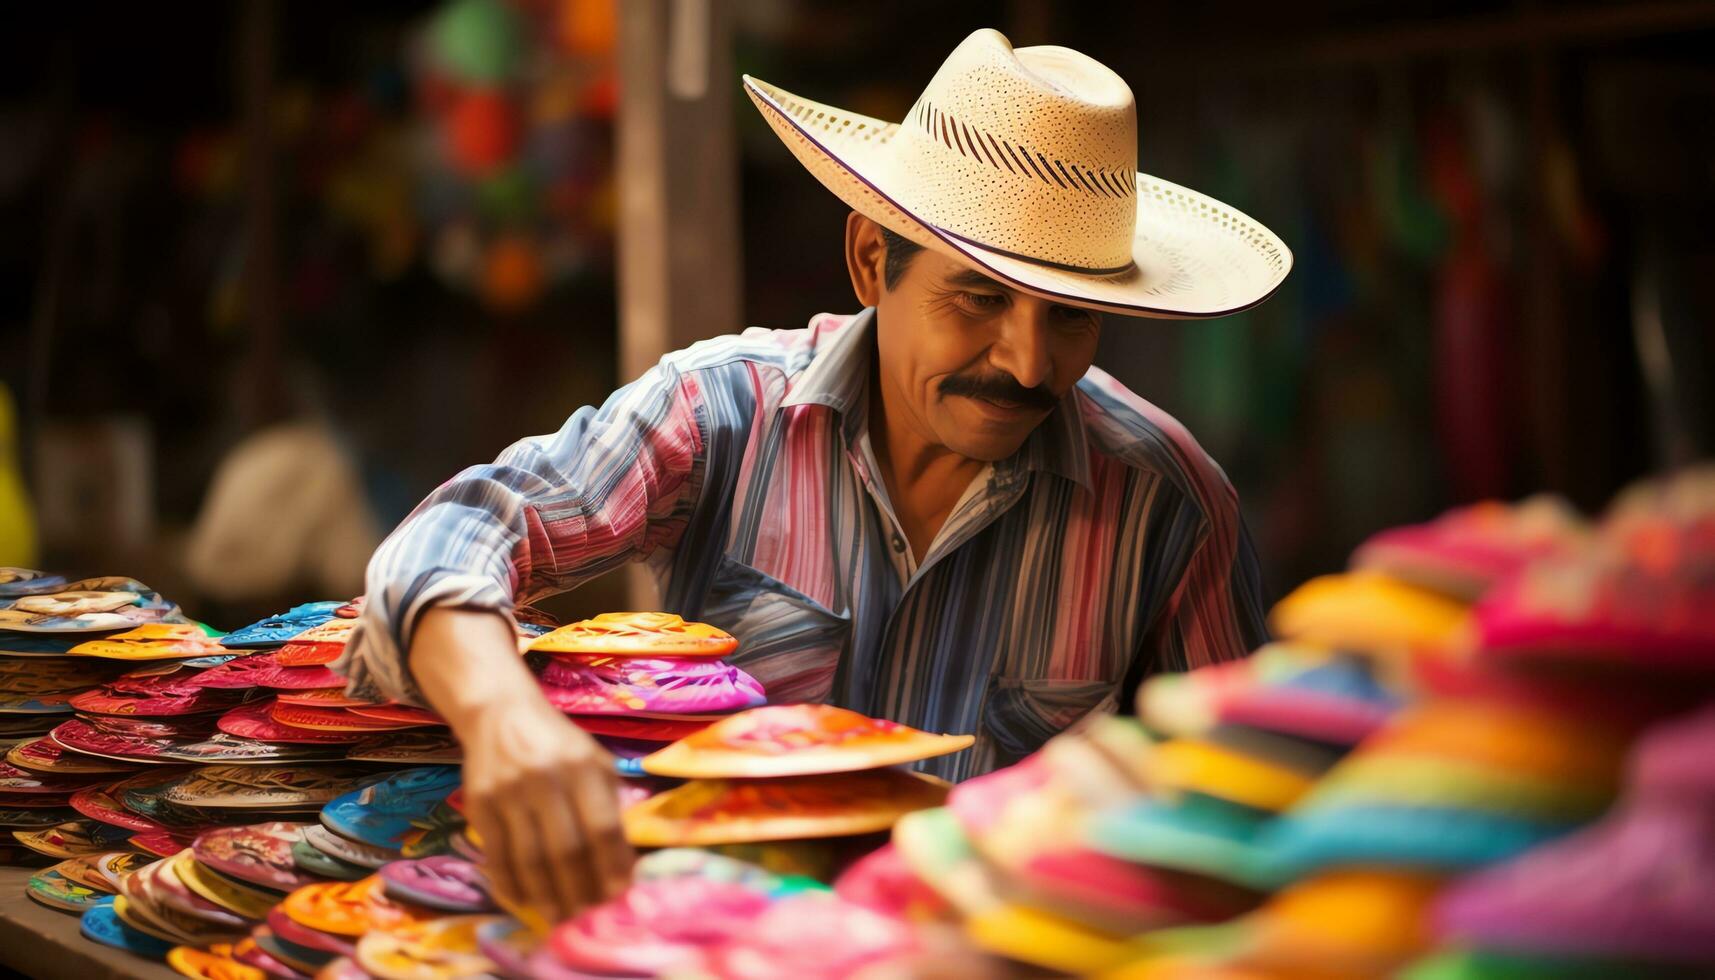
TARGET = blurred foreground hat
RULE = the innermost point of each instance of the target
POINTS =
(1023, 162)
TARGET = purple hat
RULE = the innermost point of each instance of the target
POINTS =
(1639, 884)
(444, 883)
(642, 685)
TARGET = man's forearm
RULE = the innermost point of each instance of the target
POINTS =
(466, 662)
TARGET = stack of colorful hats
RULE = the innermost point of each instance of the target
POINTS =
(1010, 856)
(42, 618)
(638, 681)
(373, 892)
(693, 913)
(198, 700)
(62, 646)
(289, 656)
(1367, 768)
(173, 709)
(1631, 896)
(1466, 774)
(1120, 829)
(1246, 741)
(38, 603)
(297, 700)
(1629, 616)
(215, 867)
(1412, 781)
(793, 774)
(788, 772)
(689, 913)
(297, 704)
(1465, 552)
(227, 891)
(288, 897)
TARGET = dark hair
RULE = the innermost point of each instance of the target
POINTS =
(900, 252)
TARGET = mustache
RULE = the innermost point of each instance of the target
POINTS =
(1001, 388)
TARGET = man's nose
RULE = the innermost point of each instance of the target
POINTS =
(1021, 349)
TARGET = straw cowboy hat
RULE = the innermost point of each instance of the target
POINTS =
(1023, 162)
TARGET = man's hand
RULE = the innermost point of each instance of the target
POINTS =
(540, 792)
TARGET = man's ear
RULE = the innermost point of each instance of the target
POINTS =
(866, 258)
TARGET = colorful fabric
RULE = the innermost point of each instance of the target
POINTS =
(1108, 548)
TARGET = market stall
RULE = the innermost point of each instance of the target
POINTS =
(279, 271)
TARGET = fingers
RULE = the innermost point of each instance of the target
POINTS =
(486, 822)
(524, 850)
(551, 827)
(610, 857)
(565, 847)
(517, 846)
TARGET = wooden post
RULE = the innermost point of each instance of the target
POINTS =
(677, 163)
(264, 392)
(678, 179)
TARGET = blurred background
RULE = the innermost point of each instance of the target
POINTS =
(270, 271)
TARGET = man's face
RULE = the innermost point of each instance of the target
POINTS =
(977, 365)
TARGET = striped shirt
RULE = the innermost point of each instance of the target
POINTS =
(1108, 547)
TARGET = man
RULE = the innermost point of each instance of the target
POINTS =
(934, 511)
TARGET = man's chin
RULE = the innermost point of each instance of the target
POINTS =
(977, 434)
(987, 449)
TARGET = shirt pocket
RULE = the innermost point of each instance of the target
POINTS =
(786, 640)
(1022, 713)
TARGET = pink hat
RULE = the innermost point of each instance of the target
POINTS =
(1640, 884)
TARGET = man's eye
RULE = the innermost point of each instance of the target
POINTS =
(986, 301)
(1075, 316)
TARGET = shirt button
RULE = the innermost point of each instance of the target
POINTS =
(898, 542)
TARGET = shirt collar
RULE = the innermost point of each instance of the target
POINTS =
(838, 377)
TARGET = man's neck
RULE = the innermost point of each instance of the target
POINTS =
(924, 479)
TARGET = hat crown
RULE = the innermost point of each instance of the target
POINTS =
(1047, 95)
(1031, 151)
(1022, 163)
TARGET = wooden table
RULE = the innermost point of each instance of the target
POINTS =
(37, 941)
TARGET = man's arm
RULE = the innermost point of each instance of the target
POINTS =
(613, 485)
(1216, 614)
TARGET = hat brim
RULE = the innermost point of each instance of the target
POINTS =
(1193, 257)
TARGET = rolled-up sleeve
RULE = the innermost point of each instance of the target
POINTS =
(613, 485)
